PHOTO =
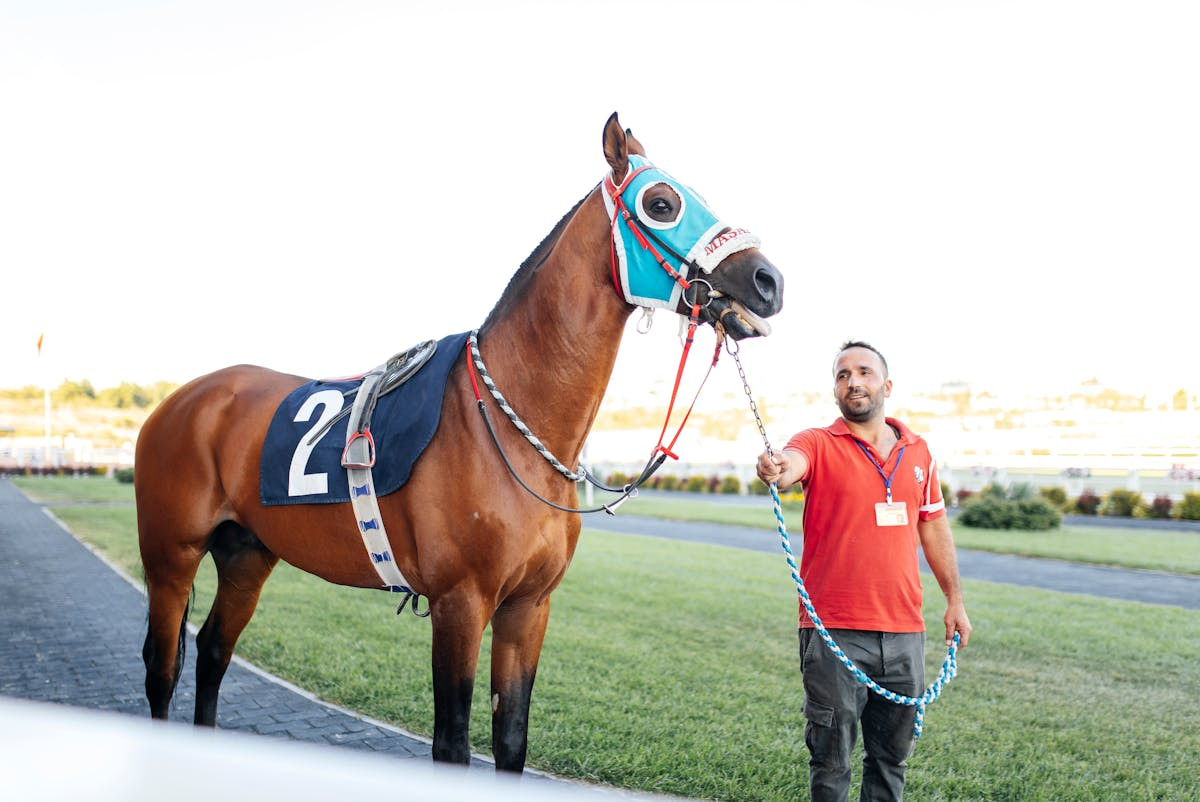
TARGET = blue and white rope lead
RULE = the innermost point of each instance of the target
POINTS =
(949, 665)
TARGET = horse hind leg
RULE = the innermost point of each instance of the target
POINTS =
(168, 588)
(243, 565)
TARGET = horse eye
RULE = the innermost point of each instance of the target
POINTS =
(662, 203)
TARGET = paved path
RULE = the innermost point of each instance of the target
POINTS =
(1153, 587)
(71, 632)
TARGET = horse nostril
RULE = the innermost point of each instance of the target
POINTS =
(768, 282)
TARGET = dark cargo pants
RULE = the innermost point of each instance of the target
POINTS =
(834, 703)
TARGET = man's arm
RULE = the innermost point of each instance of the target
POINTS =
(938, 544)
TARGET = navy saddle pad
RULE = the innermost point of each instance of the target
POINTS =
(296, 471)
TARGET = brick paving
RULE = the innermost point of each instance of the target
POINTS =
(73, 630)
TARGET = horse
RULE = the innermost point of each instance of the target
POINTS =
(479, 546)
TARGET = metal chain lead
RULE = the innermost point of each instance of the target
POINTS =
(734, 349)
(949, 668)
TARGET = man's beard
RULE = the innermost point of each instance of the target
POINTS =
(860, 414)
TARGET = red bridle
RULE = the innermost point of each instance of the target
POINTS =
(621, 213)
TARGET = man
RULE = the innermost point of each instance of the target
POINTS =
(871, 494)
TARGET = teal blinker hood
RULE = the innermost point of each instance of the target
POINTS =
(693, 239)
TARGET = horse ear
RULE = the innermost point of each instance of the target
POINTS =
(632, 143)
(616, 149)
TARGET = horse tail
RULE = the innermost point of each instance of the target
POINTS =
(182, 644)
(187, 609)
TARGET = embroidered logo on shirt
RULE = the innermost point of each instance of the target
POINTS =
(918, 474)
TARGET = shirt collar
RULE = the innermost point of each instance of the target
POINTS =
(839, 427)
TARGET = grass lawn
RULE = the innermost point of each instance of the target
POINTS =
(72, 490)
(1151, 549)
(672, 667)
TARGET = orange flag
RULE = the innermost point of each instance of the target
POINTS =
(40, 336)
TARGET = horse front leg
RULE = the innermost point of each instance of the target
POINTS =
(458, 622)
(518, 628)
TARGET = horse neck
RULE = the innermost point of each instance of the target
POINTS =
(552, 350)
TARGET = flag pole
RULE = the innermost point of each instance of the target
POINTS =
(46, 406)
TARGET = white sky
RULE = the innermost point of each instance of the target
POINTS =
(1002, 192)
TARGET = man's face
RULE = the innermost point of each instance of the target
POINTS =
(860, 384)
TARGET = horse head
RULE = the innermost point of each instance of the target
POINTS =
(670, 250)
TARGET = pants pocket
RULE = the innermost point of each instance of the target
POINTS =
(817, 713)
(808, 641)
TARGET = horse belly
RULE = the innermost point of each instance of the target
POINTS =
(320, 539)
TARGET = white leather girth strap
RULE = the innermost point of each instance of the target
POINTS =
(358, 459)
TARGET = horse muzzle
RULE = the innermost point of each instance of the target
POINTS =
(746, 289)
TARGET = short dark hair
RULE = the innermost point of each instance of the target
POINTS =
(861, 344)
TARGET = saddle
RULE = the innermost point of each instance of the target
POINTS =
(359, 452)
(352, 440)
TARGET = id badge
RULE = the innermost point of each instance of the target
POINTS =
(893, 513)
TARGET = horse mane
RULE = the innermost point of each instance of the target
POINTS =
(527, 270)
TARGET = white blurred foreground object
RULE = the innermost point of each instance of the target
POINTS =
(54, 752)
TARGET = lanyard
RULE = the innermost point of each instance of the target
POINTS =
(887, 478)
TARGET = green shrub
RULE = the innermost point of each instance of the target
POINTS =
(1121, 503)
(668, 482)
(1020, 491)
(696, 484)
(758, 488)
(1055, 495)
(731, 485)
(1088, 503)
(1189, 508)
(1016, 508)
(1035, 515)
(985, 512)
(945, 492)
(124, 475)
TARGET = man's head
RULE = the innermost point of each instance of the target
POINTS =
(860, 381)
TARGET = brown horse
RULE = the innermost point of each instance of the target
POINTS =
(464, 533)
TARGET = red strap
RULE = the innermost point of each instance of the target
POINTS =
(693, 321)
(471, 372)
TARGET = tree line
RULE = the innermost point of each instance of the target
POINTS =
(126, 395)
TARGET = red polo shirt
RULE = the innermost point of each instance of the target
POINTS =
(861, 575)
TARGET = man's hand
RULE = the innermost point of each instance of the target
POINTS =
(957, 621)
(784, 468)
(771, 466)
